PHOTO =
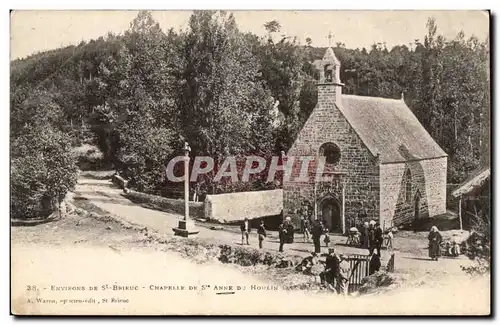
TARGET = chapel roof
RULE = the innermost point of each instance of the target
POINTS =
(389, 128)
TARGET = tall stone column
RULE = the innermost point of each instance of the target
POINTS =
(186, 226)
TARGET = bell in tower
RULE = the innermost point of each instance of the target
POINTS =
(328, 73)
(330, 86)
(331, 67)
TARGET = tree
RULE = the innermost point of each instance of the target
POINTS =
(221, 95)
(282, 68)
(224, 107)
(143, 156)
(272, 26)
(228, 92)
(43, 170)
(33, 109)
(134, 118)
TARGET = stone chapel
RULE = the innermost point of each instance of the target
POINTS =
(382, 164)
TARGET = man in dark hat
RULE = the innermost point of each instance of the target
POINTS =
(282, 233)
(316, 232)
(331, 271)
(379, 238)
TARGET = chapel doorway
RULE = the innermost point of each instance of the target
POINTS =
(417, 205)
(331, 215)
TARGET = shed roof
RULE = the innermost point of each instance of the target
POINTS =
(389, 128)
(477, 179)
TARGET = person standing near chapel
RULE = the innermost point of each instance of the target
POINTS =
(262, 233)
(435, 240)
(326, 239)
(289, 230)
(362, 216)
(365, 242)
(304, 224)
(196, 192)
(379, 238)
(282, 234)
(245, 230)
(316, 232)
(330, 274)
(307, 225)
(371, 237)
(343, 276)
(374, 265)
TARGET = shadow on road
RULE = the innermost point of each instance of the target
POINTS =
(106, 200)
(417, 258)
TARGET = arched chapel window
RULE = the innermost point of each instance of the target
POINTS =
(331, 152)
(408, 186)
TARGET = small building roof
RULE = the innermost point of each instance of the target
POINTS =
(474, 181)
(389, 128)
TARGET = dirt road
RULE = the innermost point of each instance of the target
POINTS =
(64, 259)
(136, 278)
(411, 252)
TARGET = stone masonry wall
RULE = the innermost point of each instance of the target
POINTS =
(230, 207)
(435, 176)
(357, 168)
(428, 178)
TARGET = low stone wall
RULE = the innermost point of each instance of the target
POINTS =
(232, 207)
(165, 204)
(119, 181)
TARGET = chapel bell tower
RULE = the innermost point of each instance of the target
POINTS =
(329, 85)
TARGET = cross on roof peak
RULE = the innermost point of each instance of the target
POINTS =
(330, 36)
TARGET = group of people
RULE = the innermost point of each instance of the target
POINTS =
(286, 233)
(314, 231)
(334, 275)
(245, 232)
(372, 237)
(337, 272)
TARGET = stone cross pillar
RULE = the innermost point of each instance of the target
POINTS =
(186, 226)
(187, 149)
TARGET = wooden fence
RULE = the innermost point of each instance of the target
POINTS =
(359, 266)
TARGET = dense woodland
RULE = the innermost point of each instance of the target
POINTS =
(139, 96)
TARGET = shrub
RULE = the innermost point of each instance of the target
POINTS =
(375, 282)
(89, 157)
(43, 170)
(479, 245)
(142, 157)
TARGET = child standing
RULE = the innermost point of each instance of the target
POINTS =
(327, 237)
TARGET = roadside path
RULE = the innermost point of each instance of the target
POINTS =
(104, 195)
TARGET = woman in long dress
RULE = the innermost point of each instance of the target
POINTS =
(435, 240)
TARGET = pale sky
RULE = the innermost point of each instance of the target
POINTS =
(33, 31)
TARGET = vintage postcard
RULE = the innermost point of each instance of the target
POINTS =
(250, 162)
